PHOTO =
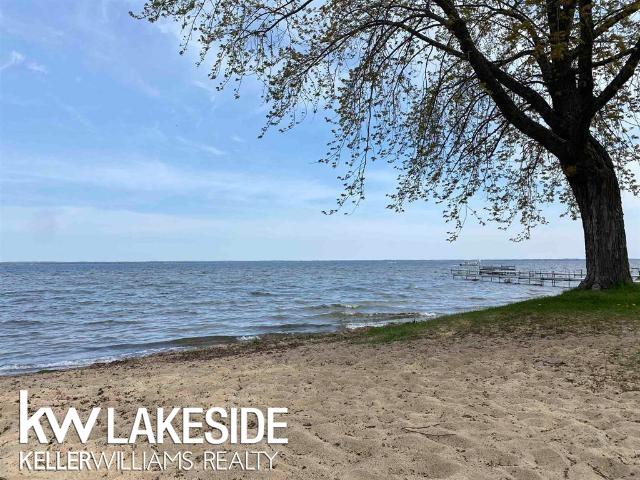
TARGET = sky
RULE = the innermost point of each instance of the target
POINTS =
(113, 147)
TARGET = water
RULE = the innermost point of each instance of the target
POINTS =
(57, 315)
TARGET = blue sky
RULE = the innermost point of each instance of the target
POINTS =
(114, 147)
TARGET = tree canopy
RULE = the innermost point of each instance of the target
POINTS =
(492, 97)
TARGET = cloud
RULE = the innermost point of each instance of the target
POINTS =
(96, 35)
(17, 59)
(32, 30)
(87, 233)
(79, 219)
(207, 87)
(37, 67)
(140, 176)
(134, 79)
(202, 147)
(74, 113)
(174, 29)
(169, 27)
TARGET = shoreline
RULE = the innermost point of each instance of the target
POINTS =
(542, 389)
(449, 323)
(232, 347)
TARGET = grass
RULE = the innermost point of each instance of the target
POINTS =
(573, 310)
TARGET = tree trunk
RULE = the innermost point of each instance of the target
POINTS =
(595, 186)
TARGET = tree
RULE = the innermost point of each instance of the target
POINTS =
(522, 102)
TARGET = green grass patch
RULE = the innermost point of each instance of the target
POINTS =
(588, 311)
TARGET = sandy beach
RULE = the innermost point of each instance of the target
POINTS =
(473, 406)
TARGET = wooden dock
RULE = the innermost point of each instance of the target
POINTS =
(476, 271)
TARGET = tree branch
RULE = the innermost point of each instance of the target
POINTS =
(419, 35)
(617, 56)
(611, 20)
(585, 57)
(487, 74)
(625, 73)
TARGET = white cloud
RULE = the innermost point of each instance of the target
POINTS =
(38, 68)
(169, 27)
(207, 87)
(74, 113)
(201, 146)
(105, 47)
(32, 30)
(85, 233)
(149, 176)
(15, 58)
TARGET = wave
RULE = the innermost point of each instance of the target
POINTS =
(17, 368)
(248, 338)
(385, 320)
(261, 293)
(325, 306)
(21, 322)
(382, 316)
(293, 327)
(112, 322)
(370, 304)
(201, 341)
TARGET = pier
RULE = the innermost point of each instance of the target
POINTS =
(476, 271)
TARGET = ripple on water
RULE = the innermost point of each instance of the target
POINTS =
(90, 312)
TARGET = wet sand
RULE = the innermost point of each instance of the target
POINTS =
(442, 406)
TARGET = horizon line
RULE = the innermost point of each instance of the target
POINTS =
(300, 260)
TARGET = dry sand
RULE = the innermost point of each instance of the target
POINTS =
(459, 407)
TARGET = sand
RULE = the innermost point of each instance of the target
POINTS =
(457, 407)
